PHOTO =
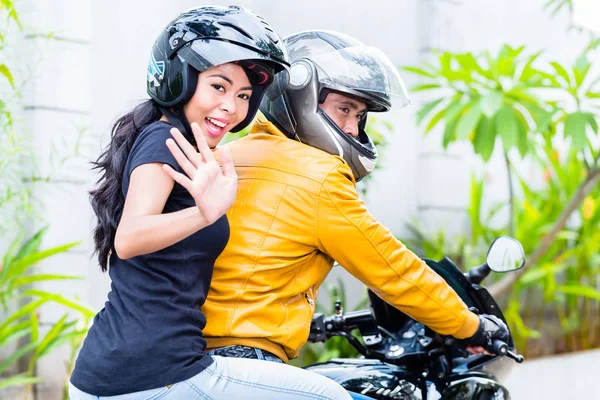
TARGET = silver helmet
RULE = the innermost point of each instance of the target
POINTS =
(323, 62)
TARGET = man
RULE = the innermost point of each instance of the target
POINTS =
(297, 210)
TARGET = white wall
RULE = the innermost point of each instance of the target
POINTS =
(96, 69)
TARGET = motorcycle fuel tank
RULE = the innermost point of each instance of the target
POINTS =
(371, 378)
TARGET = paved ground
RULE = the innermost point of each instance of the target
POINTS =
(572, 376)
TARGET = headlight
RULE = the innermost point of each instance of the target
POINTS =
(474, 388)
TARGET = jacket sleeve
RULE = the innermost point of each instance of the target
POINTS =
(349, 234)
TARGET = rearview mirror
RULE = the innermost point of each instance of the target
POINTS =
(505, 254)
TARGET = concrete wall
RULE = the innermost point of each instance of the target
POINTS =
(93, 70)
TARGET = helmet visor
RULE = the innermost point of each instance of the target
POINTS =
(204, 54)
(363, 71)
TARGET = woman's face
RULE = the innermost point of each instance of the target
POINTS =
(220, 102)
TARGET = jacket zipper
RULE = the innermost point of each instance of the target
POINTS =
(310, 301)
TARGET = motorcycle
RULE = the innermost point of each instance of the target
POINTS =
(403, 359)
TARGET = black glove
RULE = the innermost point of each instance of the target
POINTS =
(490, 328)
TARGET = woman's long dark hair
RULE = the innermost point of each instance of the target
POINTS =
(107, 198)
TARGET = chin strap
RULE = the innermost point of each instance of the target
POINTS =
(177, 118)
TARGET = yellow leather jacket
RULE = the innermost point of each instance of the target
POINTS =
(297, 210)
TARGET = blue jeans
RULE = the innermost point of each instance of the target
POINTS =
(239, 378)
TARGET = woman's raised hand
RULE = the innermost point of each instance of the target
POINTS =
(213, 189)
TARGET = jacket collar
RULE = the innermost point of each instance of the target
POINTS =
(263, 125)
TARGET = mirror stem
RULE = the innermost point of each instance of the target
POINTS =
(478, 274)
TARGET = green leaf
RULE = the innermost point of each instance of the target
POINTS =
(8, 4)
(446, 64)
(426, 86)
(506, 66)
(419, 71)
(591, 119)
(6, 72)
(466, 60)
(562, 72)
(469, 62)
(435, 119)
(485, 138)
(474, 209)
(14, 331)
(575, 124)
(542, 119)
(35, 326)
(580, 290)
(455, 108)
(592, 95)
(507, 126)
(20, 352)
(8, 258)
(52, 334)
(26, 280)
(426, 109)
(529, 72)
(18, 380)
(468, 121)
(523, 97)
(23, 311)
(491, 103)
(70, 303)
(594, 43)
(522, 143)
(32, 244)
(63, 338)
(541, 272)
(581, 69)
(449, 132)
(31, 259)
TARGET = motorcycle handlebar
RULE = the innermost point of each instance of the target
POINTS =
(501, 348)
(323, 327)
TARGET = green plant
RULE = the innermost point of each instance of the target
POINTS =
(336, 347)
(557, 5)
(560, 290)
(488, 101)
(555, 123)
(20, 303)
(506, 97)
(482, 98)
(565, 277)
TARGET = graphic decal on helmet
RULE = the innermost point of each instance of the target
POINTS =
(156, 71)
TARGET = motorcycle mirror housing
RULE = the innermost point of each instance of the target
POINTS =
(505, 254)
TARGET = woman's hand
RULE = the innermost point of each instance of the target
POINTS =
(213, 189)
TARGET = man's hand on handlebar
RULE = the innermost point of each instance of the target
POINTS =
(490, 328)
(478, 350)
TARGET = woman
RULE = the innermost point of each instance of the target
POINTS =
(159, 233)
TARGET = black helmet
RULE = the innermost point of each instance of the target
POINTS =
(202, 38)
(322, 62)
